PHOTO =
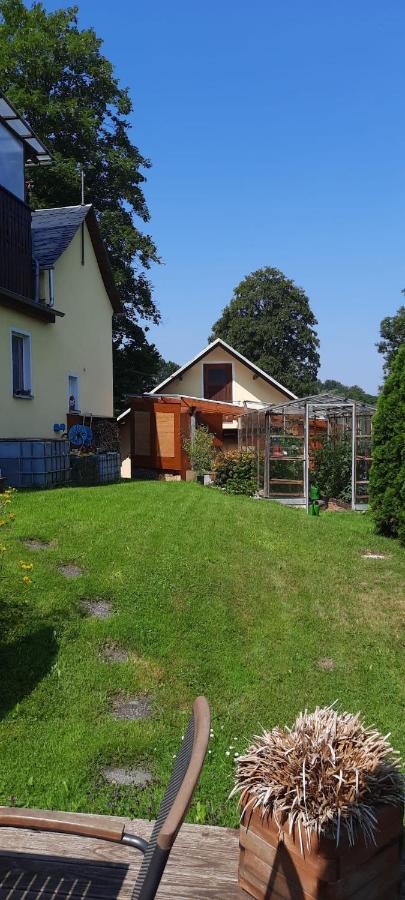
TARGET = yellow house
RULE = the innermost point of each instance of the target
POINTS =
(56, 352)
(57, 297)
(219, 372)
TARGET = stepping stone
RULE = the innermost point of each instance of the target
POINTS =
(139, 777)
(327, 664)
(97, 607)
(370, 555)
(70, 571)
(133, 708)
(114, 653)
(36, 544)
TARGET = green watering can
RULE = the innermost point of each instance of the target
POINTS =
(313, 508)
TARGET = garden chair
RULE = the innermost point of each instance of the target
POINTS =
(172, 812)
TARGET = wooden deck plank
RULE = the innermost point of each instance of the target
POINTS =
(43, 866)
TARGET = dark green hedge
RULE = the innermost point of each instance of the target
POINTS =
(387, 479)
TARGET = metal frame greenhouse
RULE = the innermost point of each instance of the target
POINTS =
(286, 437)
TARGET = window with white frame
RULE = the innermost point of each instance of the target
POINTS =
(21, 363)
(73, 393)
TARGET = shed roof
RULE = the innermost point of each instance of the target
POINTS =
(325, 402)
(54, 229)
(235, 353)
(194, 404)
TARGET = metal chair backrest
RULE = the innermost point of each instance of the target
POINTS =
(176, 801)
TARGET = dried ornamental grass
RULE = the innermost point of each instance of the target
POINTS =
(325, 775)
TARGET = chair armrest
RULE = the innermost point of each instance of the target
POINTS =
(133, 840)
(105, 827)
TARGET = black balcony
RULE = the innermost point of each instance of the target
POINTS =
(16, 268)
(17, 272)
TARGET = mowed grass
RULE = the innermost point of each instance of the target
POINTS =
(211, 594)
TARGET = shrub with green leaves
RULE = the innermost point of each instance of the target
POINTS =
(236, 472)
(201, 450)
(333, 470)
(387, 477)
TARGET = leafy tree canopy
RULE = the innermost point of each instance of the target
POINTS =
(138, 368)
(270, 321)
(56, 74)
(330, 386)
(166, 368)
(392, 330)
(387, 478)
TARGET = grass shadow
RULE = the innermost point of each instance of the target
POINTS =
(24, 662)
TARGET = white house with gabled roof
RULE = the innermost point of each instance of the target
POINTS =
(219, 372)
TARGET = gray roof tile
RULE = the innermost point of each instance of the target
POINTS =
(53, 230)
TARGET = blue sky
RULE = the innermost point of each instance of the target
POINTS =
(276, 130)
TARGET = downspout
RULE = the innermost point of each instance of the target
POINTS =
(82, 225)
(36, 281)
(51, 287)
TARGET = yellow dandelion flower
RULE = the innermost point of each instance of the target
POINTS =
(27, 579)
(2, 522)
(11, 516)
(27, 566)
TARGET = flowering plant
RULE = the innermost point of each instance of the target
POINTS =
(7, 517)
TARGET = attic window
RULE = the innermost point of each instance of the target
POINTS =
(218, 381)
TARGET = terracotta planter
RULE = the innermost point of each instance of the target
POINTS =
(272, 866)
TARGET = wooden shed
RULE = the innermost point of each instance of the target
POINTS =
(153, 428)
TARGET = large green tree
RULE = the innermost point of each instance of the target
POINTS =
(331, 386)
(387, 478)
(57, 75)
(270, 321)
(392, 331)
(166, 368)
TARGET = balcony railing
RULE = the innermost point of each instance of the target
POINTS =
(16, 270)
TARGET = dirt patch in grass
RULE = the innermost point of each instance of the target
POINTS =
(148, 668)
(334, 505)
(327, 664)
(132, 708)
(370, 554)
(112, 652)
(36, 544)
(70, 570)
(96, 606)
(139, 776)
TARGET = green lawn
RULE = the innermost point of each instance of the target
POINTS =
(211, 594)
